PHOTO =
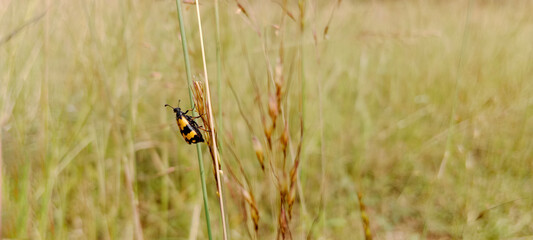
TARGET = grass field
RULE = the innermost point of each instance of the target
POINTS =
(423, 107)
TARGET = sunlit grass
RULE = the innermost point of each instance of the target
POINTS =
(82, 91)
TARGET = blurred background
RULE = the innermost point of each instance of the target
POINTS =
(423, 107)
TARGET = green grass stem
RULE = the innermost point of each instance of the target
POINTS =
(189, 84)
(219, 70)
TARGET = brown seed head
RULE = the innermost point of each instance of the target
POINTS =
(255, 217)
(253, 207)
(285, 137)
(268, 135)
(290, 202)
(279, 73)
(283, 224)
(273, 107)
(258, 148)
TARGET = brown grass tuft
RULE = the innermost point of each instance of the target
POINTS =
(274, 115)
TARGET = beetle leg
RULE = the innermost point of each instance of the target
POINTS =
(202, 128)
(193, 107)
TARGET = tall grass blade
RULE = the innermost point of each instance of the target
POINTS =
(212, 125)
(452, 123)
(189, 84)
(219, 70)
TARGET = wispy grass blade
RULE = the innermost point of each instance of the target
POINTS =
(128, 173)
(452, 123)
(219, 70)
(212, 125)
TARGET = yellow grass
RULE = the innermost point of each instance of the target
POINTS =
(85, 136)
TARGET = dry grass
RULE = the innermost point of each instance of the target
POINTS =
(88, 152)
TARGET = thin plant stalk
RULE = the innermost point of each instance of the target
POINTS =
(452, 124)
(212, 126)
(45, 109)
(5, 116)
(302, 101)
(364, 216)
(133, 200)
(219, 66)
(189, 84)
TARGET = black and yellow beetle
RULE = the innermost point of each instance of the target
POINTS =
(188, 127)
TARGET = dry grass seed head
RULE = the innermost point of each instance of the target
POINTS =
(279, 79)
(283, 222)
(293, 173)
(199, 101)
(258, 148)
(273, 108)
(201, 106)
(268, 134)
(253, 207)
(245, 191)
(284, 140)
(364, 217)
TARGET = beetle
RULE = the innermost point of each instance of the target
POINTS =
(188, 127)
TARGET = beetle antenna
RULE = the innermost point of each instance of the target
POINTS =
(166, 105)
(179, 100)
